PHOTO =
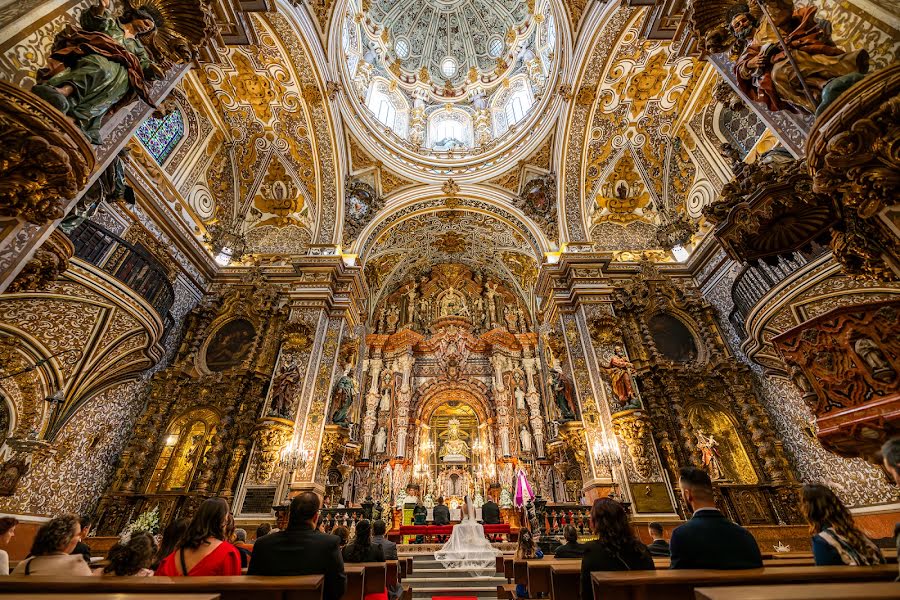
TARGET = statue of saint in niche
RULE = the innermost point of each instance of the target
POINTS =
(342, 398)
(561, 389)
(454, 448)
(621, 373)
(707, 445)
(230, 345)
(766, 73)
(283, 388)
(99, 66)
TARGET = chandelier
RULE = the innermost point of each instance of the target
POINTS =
(294, 457)
(676, 229)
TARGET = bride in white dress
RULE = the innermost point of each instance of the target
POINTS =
(467, 547)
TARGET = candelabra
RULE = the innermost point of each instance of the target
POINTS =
(606, 453)
(293, 457)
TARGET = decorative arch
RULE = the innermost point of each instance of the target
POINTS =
(429, 397)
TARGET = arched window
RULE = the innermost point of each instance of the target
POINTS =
(388, 107)
(160, 136)
(450, 129)
(742, 129)
(512, 105)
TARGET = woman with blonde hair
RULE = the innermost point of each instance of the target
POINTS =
(836, 539)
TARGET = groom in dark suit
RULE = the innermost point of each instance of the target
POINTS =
(440, 514)
(490, 513)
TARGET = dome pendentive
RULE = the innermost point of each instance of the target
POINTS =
(449, 79)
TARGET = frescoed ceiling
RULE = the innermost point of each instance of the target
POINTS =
(636, 164)
(266, 173)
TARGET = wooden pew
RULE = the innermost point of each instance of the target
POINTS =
(882, 590)
(508, 568)
(307, 587)
(538, 573)
(499, 564)
(40, 596)
(679, 584)
(356, 582)
(565, 580)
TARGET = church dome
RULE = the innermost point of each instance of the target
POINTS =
(448, 85)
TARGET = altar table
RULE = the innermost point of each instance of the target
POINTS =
(395, 535)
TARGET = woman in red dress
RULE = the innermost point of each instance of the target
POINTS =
(203, 549)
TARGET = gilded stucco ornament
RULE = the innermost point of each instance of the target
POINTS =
(49, 262)
(853, 152)
(634, 428)
(44, 158)
(271, 436)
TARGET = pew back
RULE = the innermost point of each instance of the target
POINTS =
(306, 587)
(680, 584)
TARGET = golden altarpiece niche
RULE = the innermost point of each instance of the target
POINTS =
(456, 399)
(197, 428)
(701, 401)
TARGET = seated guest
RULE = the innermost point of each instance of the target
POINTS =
(240, 540)
(441, 514)
(616, 548)
(7, 532)
(301, 550)
(342, 533)
(204, 549)
(420, 514)
(132, 558)
(81, 547)
(659, 546)
(836, 539)
(571, 549)
(170, 538)
(231, 536)
(51, 552)
(263, 529)
(525, 550)
(362, 550)
(709, 540)
(490, 513)
(379, 528)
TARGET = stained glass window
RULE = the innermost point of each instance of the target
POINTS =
(160, 136)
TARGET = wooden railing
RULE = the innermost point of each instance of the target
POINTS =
(756, 280)
(129, 264)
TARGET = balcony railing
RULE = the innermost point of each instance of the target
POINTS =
(129, 264)
(756, 280)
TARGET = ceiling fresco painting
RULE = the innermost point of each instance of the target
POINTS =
(637, 170)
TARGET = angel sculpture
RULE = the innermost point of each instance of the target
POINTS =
(104, 63)
(786, 57)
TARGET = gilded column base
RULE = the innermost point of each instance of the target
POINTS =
(44, 158)
(271, 435)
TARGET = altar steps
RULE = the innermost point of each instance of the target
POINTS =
(429, 578)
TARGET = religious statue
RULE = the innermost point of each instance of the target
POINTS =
(99, 66)
(342, 397)
(874, 359)
(381, 441)
(454, 448)
(562, 394)
(621, 372)
(393, 316)
(710, 456)
(453, 304)
(815, 72)
(519, 393)
(386, 381)
(525, 439)
(283, 388)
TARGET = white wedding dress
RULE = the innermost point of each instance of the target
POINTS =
(467, 547)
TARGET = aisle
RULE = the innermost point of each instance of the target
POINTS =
(429, 579)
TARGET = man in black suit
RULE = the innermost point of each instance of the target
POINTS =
(301, 550)
(709, 540)
(441, 514)
(490, 513)
(379, 528)
(659, 546)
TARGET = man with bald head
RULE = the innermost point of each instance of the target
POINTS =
(301, 550)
